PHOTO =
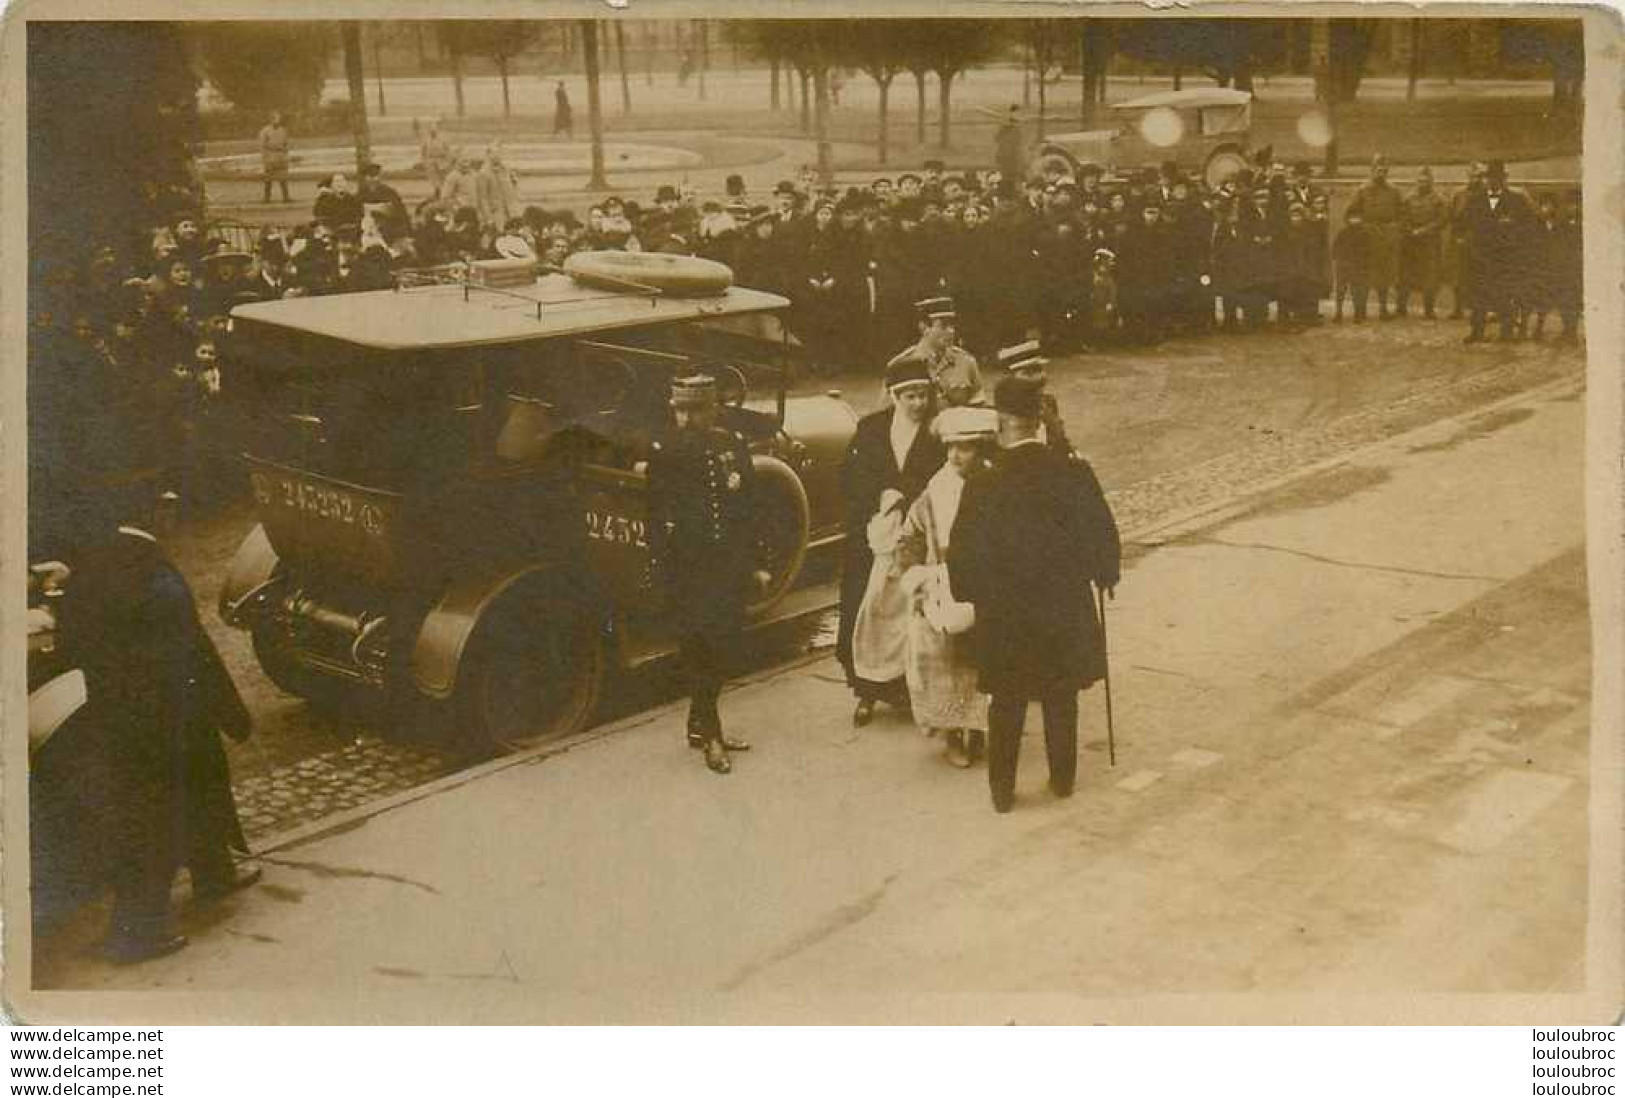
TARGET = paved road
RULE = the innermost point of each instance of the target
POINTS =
(1353, 761)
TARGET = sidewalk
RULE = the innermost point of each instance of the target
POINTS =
(1352, 761)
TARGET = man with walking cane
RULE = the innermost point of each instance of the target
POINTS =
(1030, 539)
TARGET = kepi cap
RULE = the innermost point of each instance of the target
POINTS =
(693, 391)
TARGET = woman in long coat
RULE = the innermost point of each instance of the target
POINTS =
(941, 664)
(891, 449)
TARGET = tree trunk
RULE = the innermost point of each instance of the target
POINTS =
(1043, 96)
(456, 60)
(882, 146)
(620, 61)
(919, 128)
(773, 68)
(595, 105)
(1179, 78)
(704, 52)
(826, 159)
(1415, 73)
(1086, 70)
(378, 73)
(423, 57)
(351, 34)
(507, 103)
(1027, 73)
(651, 43)
(945, 82)
(806, 100)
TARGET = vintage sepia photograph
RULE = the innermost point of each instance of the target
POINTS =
(719, 513)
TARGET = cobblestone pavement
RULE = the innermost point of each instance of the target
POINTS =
(1169, 451)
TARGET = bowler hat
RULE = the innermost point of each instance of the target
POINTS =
(1019, 396)
(666, 193)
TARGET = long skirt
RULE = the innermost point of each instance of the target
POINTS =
(880, 634)
(942, 678)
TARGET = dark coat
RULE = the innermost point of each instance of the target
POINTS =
(702, 492)
(867, 470)
(159, 696)
(1030, 538)
(1502, 245)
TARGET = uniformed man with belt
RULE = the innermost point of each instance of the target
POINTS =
(701, 492)
(953, 369)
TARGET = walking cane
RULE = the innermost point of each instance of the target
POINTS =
(1106, 662)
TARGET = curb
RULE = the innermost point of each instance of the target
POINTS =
(1156, 534)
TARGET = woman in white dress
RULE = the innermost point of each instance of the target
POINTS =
(939, 661)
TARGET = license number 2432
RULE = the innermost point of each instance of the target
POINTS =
(617, 529)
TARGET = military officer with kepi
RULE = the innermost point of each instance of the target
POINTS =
(701, 491)
(953, 369)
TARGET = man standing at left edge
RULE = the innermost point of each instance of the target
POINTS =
(701, 488)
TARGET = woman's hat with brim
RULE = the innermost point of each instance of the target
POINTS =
(966, 424)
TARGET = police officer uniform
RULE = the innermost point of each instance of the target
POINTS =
(953, 369)
(701, 496)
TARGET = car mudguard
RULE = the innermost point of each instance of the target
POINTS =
(442, 639)
(254, 563)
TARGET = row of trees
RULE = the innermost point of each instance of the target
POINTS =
(261, 66)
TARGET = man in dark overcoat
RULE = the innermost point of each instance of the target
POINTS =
(1500, 222)
(893, 448)
(701, 518)
(1030, 538)
(159, 697)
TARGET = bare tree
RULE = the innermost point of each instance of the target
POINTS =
(871, 47)
(947, 47)
(620, 61)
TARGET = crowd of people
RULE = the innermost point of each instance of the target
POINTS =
(1076, 256)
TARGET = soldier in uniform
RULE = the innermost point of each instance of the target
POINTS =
(1421, 252)
(1382, 209)
(953, 369)
(701, 489)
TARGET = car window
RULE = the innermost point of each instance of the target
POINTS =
(1218, 120)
